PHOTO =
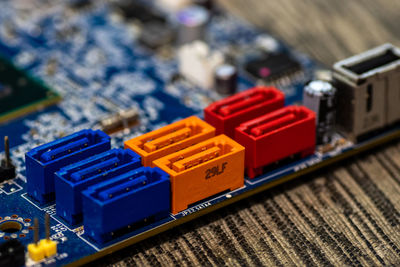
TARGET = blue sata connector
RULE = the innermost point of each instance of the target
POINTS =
(43, 161)
(70, 181)
(119, 203)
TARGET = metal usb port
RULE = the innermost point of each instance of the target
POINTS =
(115, 206)
(203, 170)
(170, 138)
(43, 161)
(70, 181)
(368, 91)
(225, 115)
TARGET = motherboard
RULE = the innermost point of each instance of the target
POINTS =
(124, 118)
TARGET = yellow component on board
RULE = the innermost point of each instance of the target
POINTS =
(36, 252)
(45, 248)
(49, 246)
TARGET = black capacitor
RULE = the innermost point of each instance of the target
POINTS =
(226, 79)
(320, 96)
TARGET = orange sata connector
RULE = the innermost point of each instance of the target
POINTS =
(170, 138)
(203, 170)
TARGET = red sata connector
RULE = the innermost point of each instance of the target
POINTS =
(275, 136)
(225, 115)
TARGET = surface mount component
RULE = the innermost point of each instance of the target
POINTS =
(122, 120)
(203, 170)
(320, 97)
(79, 3)
(21, 94)
(155, 30)
(139, 11)
(272, 66)
(368, 87)
(275, 136)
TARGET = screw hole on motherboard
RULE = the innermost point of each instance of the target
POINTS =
(10, 227)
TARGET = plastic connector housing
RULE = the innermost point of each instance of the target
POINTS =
(120, 202)
(368, 91)
(275, 136)
(170, 138)
(45, 248)
(225, 115)
(203, 170)
(49, 247)
(70, 181)
(43, 161)
(36, 252)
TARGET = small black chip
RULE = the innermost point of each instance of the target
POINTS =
(78, 4)
(20, 93)
(270, 67)
(135, 10)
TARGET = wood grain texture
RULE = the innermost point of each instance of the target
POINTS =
(326, 30)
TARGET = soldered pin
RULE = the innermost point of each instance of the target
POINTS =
(35, 231)
(7, 168)
(35, 249)
(49, 246)
(47, 225)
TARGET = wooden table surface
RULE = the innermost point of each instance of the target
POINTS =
(348, 214)
(326, 30)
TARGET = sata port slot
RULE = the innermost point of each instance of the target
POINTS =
(275, 136)
(43, 161)
(97, 169)
(203, 170)
(175, 136)
(116, 190)
(70, 181)
(194, 160)
(242, 103)
(65, 150)
(265, 125)
(226, 114)
(115, 205)
(169, 139)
